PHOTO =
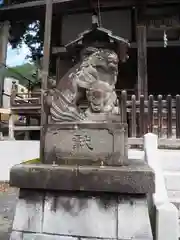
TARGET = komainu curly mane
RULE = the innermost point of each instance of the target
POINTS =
(97, 65)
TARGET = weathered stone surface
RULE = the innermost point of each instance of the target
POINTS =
(135, 178)
(86, 216)
(29, 211)
(38, 236)
(16, 235)
(8, 197)
(86, 143)
(81, 215)
(133, 219)
(167, 215)
(27, 236)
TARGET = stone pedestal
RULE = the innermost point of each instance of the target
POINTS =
(60, 202)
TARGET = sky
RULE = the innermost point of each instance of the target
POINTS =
(17, 57)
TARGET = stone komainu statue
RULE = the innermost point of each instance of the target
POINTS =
(95, 77)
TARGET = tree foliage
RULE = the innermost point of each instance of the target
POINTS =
(29, 32)
(33, 37)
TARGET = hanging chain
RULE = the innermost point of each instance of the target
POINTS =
(165, 39)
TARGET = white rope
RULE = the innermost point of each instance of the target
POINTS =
(165, 39)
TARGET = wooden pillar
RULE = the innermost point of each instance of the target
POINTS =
(11, 126)
(142, 61)
(62, 67)
(27, 132)
(4, 36)
(55, 40)
(11, 116)
(45, 73)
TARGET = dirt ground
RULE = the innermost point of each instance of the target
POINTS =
(8, 197)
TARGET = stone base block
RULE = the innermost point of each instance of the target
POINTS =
(134, 178)
(73, 216)
(86, 143)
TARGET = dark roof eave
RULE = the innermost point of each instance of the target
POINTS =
(104, 30)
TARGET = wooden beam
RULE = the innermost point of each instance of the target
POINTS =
(57, 50)
(142, 61)
(40, 3)
(153, 44)
(26, 128)
(45, 72)
(129, 3)
(31, 4)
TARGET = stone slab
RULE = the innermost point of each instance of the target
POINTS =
(85, 216)
(133, 219)
(30, 236)
(82, 215)
(16, 235)
(39, 236)
(137, 177)
(29, 211)
(167, 224)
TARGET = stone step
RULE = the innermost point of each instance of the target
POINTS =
(174, 197)
(172, 180)
(169, 159)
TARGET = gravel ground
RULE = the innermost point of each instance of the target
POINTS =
(8, 197)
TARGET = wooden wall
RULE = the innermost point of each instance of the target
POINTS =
(162, 64)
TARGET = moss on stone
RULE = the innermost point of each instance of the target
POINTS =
(32, 161)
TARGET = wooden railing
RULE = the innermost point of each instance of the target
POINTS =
(156, 115)
(24, 100)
